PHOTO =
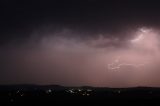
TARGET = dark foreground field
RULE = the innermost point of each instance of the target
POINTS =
(78, 95)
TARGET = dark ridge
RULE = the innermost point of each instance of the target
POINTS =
(56, 94)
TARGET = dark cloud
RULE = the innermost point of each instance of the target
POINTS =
(73, 42)
(19, 19)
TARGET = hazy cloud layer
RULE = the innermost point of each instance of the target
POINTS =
(105, 60)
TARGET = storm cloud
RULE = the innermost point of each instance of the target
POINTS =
(77, 43)
(104, 60)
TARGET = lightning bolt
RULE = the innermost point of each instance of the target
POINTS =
(117, 65)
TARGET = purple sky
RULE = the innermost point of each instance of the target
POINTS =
(80, 42)
(99, 61)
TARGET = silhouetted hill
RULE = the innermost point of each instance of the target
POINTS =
(84, 94)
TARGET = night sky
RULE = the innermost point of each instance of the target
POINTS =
(80, 42)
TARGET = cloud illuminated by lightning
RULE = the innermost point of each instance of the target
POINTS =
(141, 35)
(140, 41)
